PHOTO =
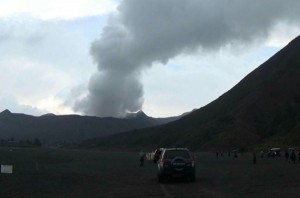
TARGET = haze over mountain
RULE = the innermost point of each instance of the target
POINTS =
(263, 108)
(50, 128)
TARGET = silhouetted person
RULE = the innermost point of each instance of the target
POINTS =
(142, 158)
(235, 154)
(228, 153)
(217, 154)
(261, 154)
(221, 154)
(293, 156)
(254, 158)
(157, 154)
(287, 155)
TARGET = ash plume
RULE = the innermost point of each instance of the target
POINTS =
(144, 32)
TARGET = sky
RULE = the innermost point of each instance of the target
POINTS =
(110, 57)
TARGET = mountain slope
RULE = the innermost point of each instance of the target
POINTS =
(51, 129)
(263, 108)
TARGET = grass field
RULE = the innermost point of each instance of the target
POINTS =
(79, 173)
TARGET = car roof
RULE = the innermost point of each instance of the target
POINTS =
(168, 149)
(275, 149)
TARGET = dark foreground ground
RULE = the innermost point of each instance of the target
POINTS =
(71, 173)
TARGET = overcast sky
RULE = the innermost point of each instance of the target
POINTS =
(109, 57)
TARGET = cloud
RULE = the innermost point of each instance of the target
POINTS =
(11, 103)
(38, 60)
(56, 9)
(281, 34)
(145, 32)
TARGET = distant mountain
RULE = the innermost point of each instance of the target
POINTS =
(142, 115)
(51, 128)
(262, 109)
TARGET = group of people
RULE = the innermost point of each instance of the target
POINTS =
(156, 156)
(291, 157)
(229, 154)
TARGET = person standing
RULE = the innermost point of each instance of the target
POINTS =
(235, 154)
(254, 158)
(287, 155)
(157, 154)
(293, 156)
(261, 154)
(142, 158)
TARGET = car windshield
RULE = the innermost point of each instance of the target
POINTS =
(170, 154)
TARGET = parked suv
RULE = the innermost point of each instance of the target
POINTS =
(176, 162)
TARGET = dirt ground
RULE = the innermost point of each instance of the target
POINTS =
(76, 173)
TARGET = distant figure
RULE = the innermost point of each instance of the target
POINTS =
(287, 155)
(254, 158)
(142, 158)
(221, 154)
(217, 154)
(235, 154)
(157, 154)
(228, 153)
(261, 154)
(293, 156)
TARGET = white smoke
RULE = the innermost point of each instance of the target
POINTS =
(147, 31)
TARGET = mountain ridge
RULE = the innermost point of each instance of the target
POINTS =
(53, 129)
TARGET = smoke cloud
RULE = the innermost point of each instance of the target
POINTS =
(144, 32)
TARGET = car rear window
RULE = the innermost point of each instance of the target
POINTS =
(170, 154)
